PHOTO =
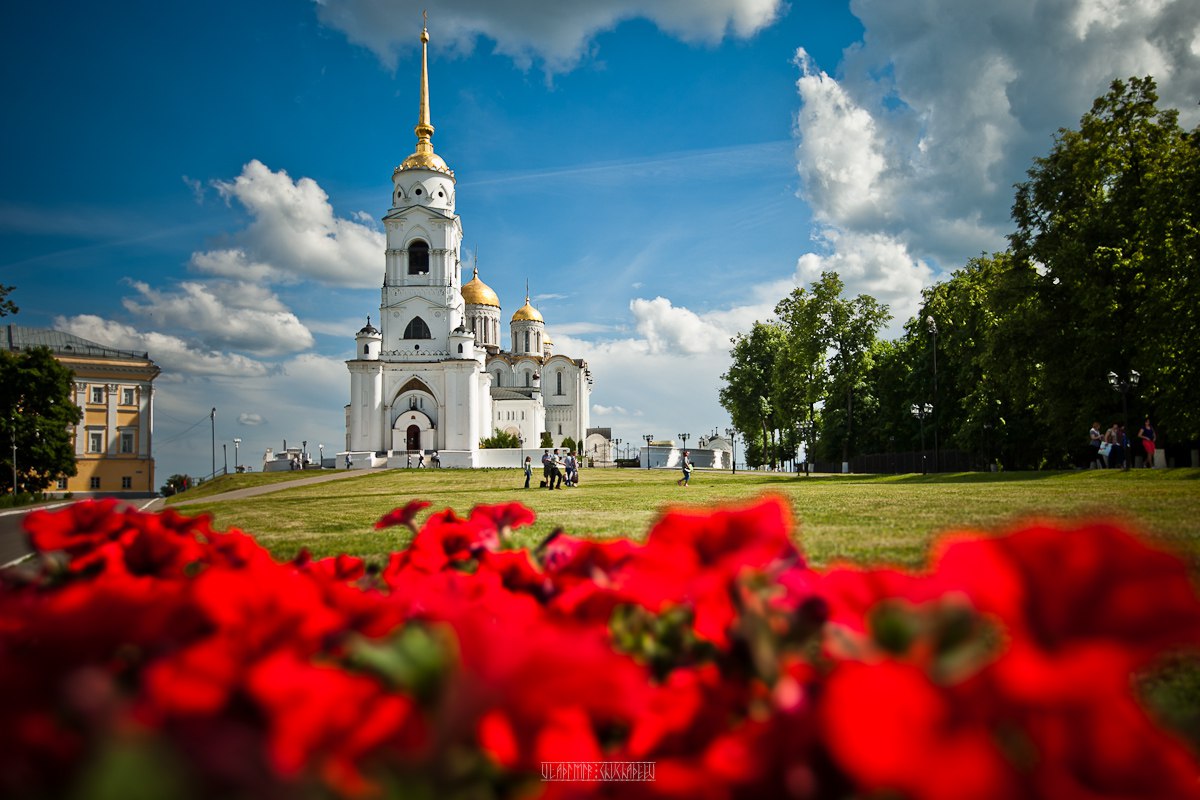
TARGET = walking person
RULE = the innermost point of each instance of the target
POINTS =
(571, 466)
(421, 459)
(1148, 436)
(528, 470)
(547, 469)
(686, 466)
(556, 471)
(1096, 442)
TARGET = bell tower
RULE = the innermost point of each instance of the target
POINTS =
(421, 300)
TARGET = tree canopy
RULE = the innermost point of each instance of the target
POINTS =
(38, 411)
(1101, 277)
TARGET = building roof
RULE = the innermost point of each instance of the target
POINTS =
(501, 393)
(476, 292)
(527, 313)
(19, 337)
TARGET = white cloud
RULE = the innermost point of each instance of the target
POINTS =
(170, 352)
(874, 264)
(238, 315)
(250, 419)
(556, 33)
(293, 235)
(909, 157)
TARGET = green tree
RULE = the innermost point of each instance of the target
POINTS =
(547, 440)
(500, 439)
(7, 306)
(749, 391)
(853, 328)
(801, 371)
(569, 444)
(1108, 221)
(37, 409)
(176, 483)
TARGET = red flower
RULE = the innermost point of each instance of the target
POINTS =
(402, 516)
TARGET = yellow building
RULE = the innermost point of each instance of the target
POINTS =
(114, 388)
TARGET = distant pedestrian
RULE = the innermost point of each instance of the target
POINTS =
(556, 473)
(420, 459)
(349, 461)
(1096, 443)
(547, 468)
(435, 460)
(1148, 436)
(572, 468)
(528, 470)
(686, 466)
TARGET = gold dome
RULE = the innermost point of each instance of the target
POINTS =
(547, 340)
(527, 313)
(476, 292)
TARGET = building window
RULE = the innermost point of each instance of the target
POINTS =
(558, 377)
(127, 396)
(528, 381)
(366, 349)
(126, 441)
(95, 442)
(126, 482)
(526, 341)
(62, 483)
(418, 258)
(94, 483)
(560, 429)
(417, 329)
(97, 394)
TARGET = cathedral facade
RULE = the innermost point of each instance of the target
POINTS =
(433, 376)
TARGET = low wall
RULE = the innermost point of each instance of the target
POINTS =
(670, 457)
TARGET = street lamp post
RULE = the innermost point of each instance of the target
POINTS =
(933, 329)
(921, 411)
(616, 449)
(225, 458)
(1123, 385)
(685, 437)
(13, 433)
(237, 444)
(649, 437)
(213, 419)
(321, 450)
(732, 434)
(303, 453)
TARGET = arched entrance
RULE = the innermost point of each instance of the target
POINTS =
(413, 430)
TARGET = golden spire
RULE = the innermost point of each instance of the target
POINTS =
(424, 157)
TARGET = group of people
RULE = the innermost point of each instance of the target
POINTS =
(1110, 449)
(558, 470)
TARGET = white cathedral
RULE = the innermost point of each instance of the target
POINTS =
(432, 376)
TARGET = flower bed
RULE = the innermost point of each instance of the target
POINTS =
(151, 651)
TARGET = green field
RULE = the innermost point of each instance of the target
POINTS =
(867, 519)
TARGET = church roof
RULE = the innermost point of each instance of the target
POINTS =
(368, 329)
(424, 157)
(527, 313)
(476, 292)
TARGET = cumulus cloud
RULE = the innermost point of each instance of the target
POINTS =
(170, 352)
(239, 315)
(250, 419)
(555, 33)
(908, 158)
(293, 235)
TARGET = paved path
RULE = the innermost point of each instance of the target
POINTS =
(239, 494)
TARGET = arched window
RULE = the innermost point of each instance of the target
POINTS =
(526, 341)
(460, 348)
(418, 258)
(366, 349)
(527, 380)
(558, 378)
(417, 329)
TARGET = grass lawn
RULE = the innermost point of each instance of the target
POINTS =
(867, 519)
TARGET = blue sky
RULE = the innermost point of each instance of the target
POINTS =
(205, 181)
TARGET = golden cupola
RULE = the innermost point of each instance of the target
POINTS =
(527, 313)
(476, 292)
(424, 157)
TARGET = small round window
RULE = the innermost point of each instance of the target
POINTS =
(441, 194)
(418, 191)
